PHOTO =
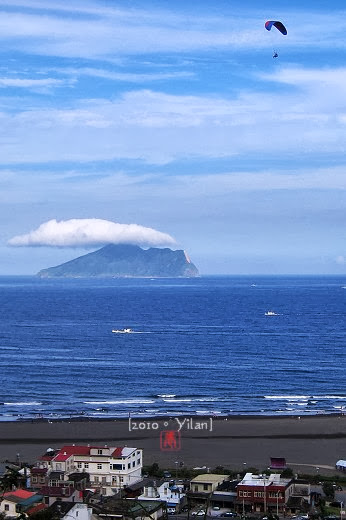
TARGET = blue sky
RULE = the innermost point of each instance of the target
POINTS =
(174, 116)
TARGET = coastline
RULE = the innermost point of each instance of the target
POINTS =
(235, 442)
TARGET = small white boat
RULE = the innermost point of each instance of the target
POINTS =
(270, 313)
(122, 331)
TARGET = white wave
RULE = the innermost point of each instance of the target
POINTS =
(178, 400)
(288, 397)
(329, 397)
(208, 412)
(166, 395)
(30, 403)
(122, 401)
(191, 399)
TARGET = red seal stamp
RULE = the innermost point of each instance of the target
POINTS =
(170, 440)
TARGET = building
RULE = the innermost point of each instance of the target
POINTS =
(207, 483)
(263, 493)
(129, 509)
(225, 496)
(52, 494)
(171, 493)
(70, 511)
(14, 503)
(109, 468)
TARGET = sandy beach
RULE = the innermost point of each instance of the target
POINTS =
(236, 443)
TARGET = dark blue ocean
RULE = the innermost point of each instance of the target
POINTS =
(199, 346)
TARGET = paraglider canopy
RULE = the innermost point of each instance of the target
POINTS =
(279, 25)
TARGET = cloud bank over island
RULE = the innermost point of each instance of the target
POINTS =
(90, 233)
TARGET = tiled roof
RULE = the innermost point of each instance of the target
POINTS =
(35, 509)
(66, 451)
(117, 453)
(19, 494)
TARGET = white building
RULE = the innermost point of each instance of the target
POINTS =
(110, 468)
(169, 492)
(71, 511)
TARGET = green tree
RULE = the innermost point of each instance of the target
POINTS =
(328, 490)
(287, 473)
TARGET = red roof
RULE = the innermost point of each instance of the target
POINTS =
(67, 451)
(35, 509)
(19, 493)
(117, 453)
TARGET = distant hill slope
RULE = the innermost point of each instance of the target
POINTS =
(122, 261)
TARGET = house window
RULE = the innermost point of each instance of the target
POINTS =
(116, 467)
(114, 479)
(34, 480)
(138, 461)
(96, 479)
(205, 487)
(99, 452)
(128, 466)
(7, 507)
(79, 464)
(77, 513)
(99, 466)
(275, 494)
(133, 463)
(86, 465)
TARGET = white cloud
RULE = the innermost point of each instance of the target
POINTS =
(124, 76)
(341, 260)
(89, 233)
(30, 83)
(159, 128)
(91, 29)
